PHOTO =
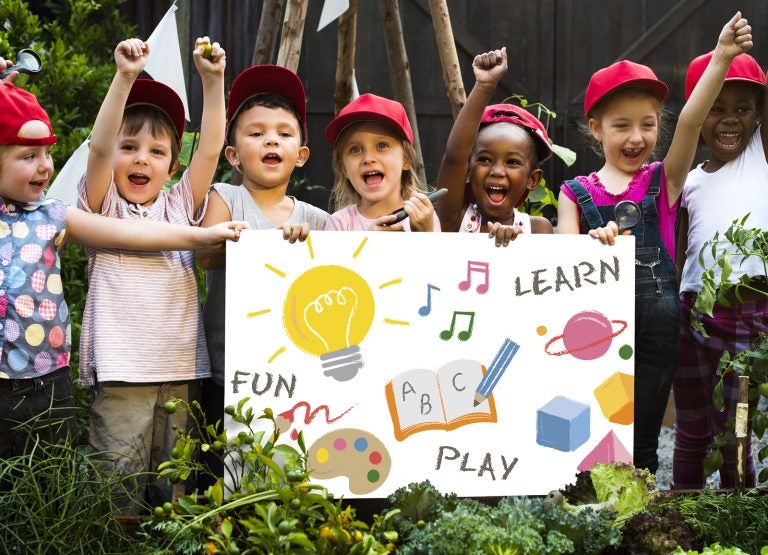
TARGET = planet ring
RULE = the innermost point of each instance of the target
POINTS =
(588, 345)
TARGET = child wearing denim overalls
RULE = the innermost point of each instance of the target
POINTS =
(656, 312)
(623, 105)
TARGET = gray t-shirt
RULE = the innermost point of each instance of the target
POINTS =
(242, 207)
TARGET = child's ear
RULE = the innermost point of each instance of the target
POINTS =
(595, 129)
(303, 156)
(174, 167)
(535, 178)
(231, 155)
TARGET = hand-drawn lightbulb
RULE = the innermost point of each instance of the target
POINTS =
(328, 311)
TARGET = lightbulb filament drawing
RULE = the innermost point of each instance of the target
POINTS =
(328, 311)
(330, 318)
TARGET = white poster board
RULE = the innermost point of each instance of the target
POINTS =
(411, 356)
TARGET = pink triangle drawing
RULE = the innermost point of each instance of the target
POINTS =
(610, 449)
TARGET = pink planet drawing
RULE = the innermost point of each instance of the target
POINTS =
(587, 335)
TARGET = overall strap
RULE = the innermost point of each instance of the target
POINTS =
(649, 200)
(586, 203)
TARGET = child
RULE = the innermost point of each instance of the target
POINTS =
(622, 105)
(723, 189)
(500, 162)
(373, 159)
(266, 140)
(35, 386)
(142, 339)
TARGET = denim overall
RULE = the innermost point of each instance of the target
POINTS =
(656, 316)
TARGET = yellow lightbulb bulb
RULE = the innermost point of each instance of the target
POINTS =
(328, 311)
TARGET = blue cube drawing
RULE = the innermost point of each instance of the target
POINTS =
(562, 424)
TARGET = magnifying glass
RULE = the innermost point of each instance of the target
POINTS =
(27, 61)
(627, 215)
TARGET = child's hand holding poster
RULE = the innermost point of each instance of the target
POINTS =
(404, 357)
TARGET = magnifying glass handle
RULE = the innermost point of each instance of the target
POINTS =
(8, 71)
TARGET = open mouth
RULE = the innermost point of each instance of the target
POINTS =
(728, 141)
(496, 194)
(373, 178)
(138, 179)
(40, 183)
(632, 153)
(271, 159)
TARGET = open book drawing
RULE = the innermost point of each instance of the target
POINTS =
(444, 399)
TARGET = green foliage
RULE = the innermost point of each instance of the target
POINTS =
(75, 40)
(268, 505)
(60, 500)
(714, 549)
(736, 245)
(450, 525)
(735, 518)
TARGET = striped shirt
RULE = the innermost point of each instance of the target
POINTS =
(141, 321)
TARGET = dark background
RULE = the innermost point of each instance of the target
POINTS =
(553, 47)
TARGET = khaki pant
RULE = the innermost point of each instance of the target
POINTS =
(135, 434)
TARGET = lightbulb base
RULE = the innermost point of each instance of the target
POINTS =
(342, 364)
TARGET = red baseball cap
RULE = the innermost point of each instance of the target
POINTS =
(369, 107)
(18, 107)
(265, 79)
(743, 68)
(159, 95)
(510, 113)
(622, 74)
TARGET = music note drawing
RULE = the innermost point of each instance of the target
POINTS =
(463, 335)
(427, 308)
(475, 266)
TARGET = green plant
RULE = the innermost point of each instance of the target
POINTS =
(736, 245)
(267, 505)
(736, 519)
(60, 499)
(432, 523)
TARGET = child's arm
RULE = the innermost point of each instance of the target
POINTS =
(763, 120)
(567, 215)
(216, 213)
(130, 57)
(681, 243)
(93, 230)
(489, 68)
(204, 161)
(735, 38)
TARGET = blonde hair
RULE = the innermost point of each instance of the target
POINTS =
(343, 193)
(598, 110)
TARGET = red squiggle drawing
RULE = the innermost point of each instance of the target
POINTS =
(286, 418)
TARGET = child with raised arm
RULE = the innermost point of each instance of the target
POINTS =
(266, 138)
(623, 108)
(373, 160)
(142, 339)
(497, 152)
(727, 187)
(36, 399)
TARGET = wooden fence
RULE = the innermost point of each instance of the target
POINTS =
(553, 45)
